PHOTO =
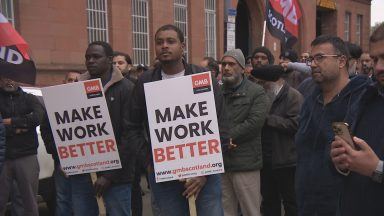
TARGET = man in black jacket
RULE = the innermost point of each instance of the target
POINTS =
(21, 114)
(279, 151)
(113, 185)
(170, 197)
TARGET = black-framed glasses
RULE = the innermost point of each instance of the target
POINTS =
(318, 58)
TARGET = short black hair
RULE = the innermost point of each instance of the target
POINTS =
(126, 56)
(166, 27)
(355, 50)
(107, 48)
(337, 43)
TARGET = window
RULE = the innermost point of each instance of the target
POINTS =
(181, 20)
(359, 24)
(97, 25)
(6, 8)
(347, 21)
(210, 28)
(140, 32)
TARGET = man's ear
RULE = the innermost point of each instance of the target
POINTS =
(343, 61)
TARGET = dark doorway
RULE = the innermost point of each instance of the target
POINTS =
(318, 23)
(242, 27)
(325, 20)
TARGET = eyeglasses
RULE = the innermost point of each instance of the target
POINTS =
(318, 58)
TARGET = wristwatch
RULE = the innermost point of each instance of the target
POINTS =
(377, 175)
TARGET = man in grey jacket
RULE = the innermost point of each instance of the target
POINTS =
(247, 104)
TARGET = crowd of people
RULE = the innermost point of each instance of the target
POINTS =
(280, 151)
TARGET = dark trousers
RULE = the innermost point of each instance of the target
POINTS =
(136, 197)
(278, 186)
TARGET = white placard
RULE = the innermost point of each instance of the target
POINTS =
(81, 126)
(183, 127)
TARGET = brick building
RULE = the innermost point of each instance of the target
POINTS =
(58, 31)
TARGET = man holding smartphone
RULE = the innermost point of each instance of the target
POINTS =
(317, 184)
(363, 191)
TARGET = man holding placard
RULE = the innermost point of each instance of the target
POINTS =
(90, 133)
(113, 185)
(194, 135)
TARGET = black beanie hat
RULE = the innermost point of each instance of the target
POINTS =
(268, 72)
(266, 51)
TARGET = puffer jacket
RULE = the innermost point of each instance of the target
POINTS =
(281, 124)
(318, 185)
(26, 113)
(2, 144)
(118, 91)
(247, 108)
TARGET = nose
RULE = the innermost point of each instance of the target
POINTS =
(90, 59)
(226, 67)
(164, 45)
(311, 63)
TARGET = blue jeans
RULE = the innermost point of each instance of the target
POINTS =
(170, 201)
(118, 200)
(63, 193)
(83, 196)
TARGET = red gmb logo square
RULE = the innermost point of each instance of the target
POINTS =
(201, 80)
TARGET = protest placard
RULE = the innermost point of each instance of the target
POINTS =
(183, 127)
(81, 126)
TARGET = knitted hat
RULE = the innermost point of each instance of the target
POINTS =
(268, 72)
(238, 55)
(290, 54)
(266, 51)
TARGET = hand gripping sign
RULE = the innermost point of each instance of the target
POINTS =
(183, 127)
(81, 126)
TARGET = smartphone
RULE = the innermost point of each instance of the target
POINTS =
(341, 129)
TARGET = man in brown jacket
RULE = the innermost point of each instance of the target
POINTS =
(279, 151)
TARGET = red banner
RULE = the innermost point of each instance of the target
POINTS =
(15, 63)
(283, 20)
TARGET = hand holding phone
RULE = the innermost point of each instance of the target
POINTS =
(341, 129)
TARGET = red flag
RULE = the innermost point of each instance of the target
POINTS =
(15, 63)
(283, 20)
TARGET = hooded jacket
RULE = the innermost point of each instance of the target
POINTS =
(118, 91)
(318, 185)
(139, 108)
(360, 194)
(2, 144)
(25, 112)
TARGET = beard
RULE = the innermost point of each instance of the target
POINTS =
(232, 80)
